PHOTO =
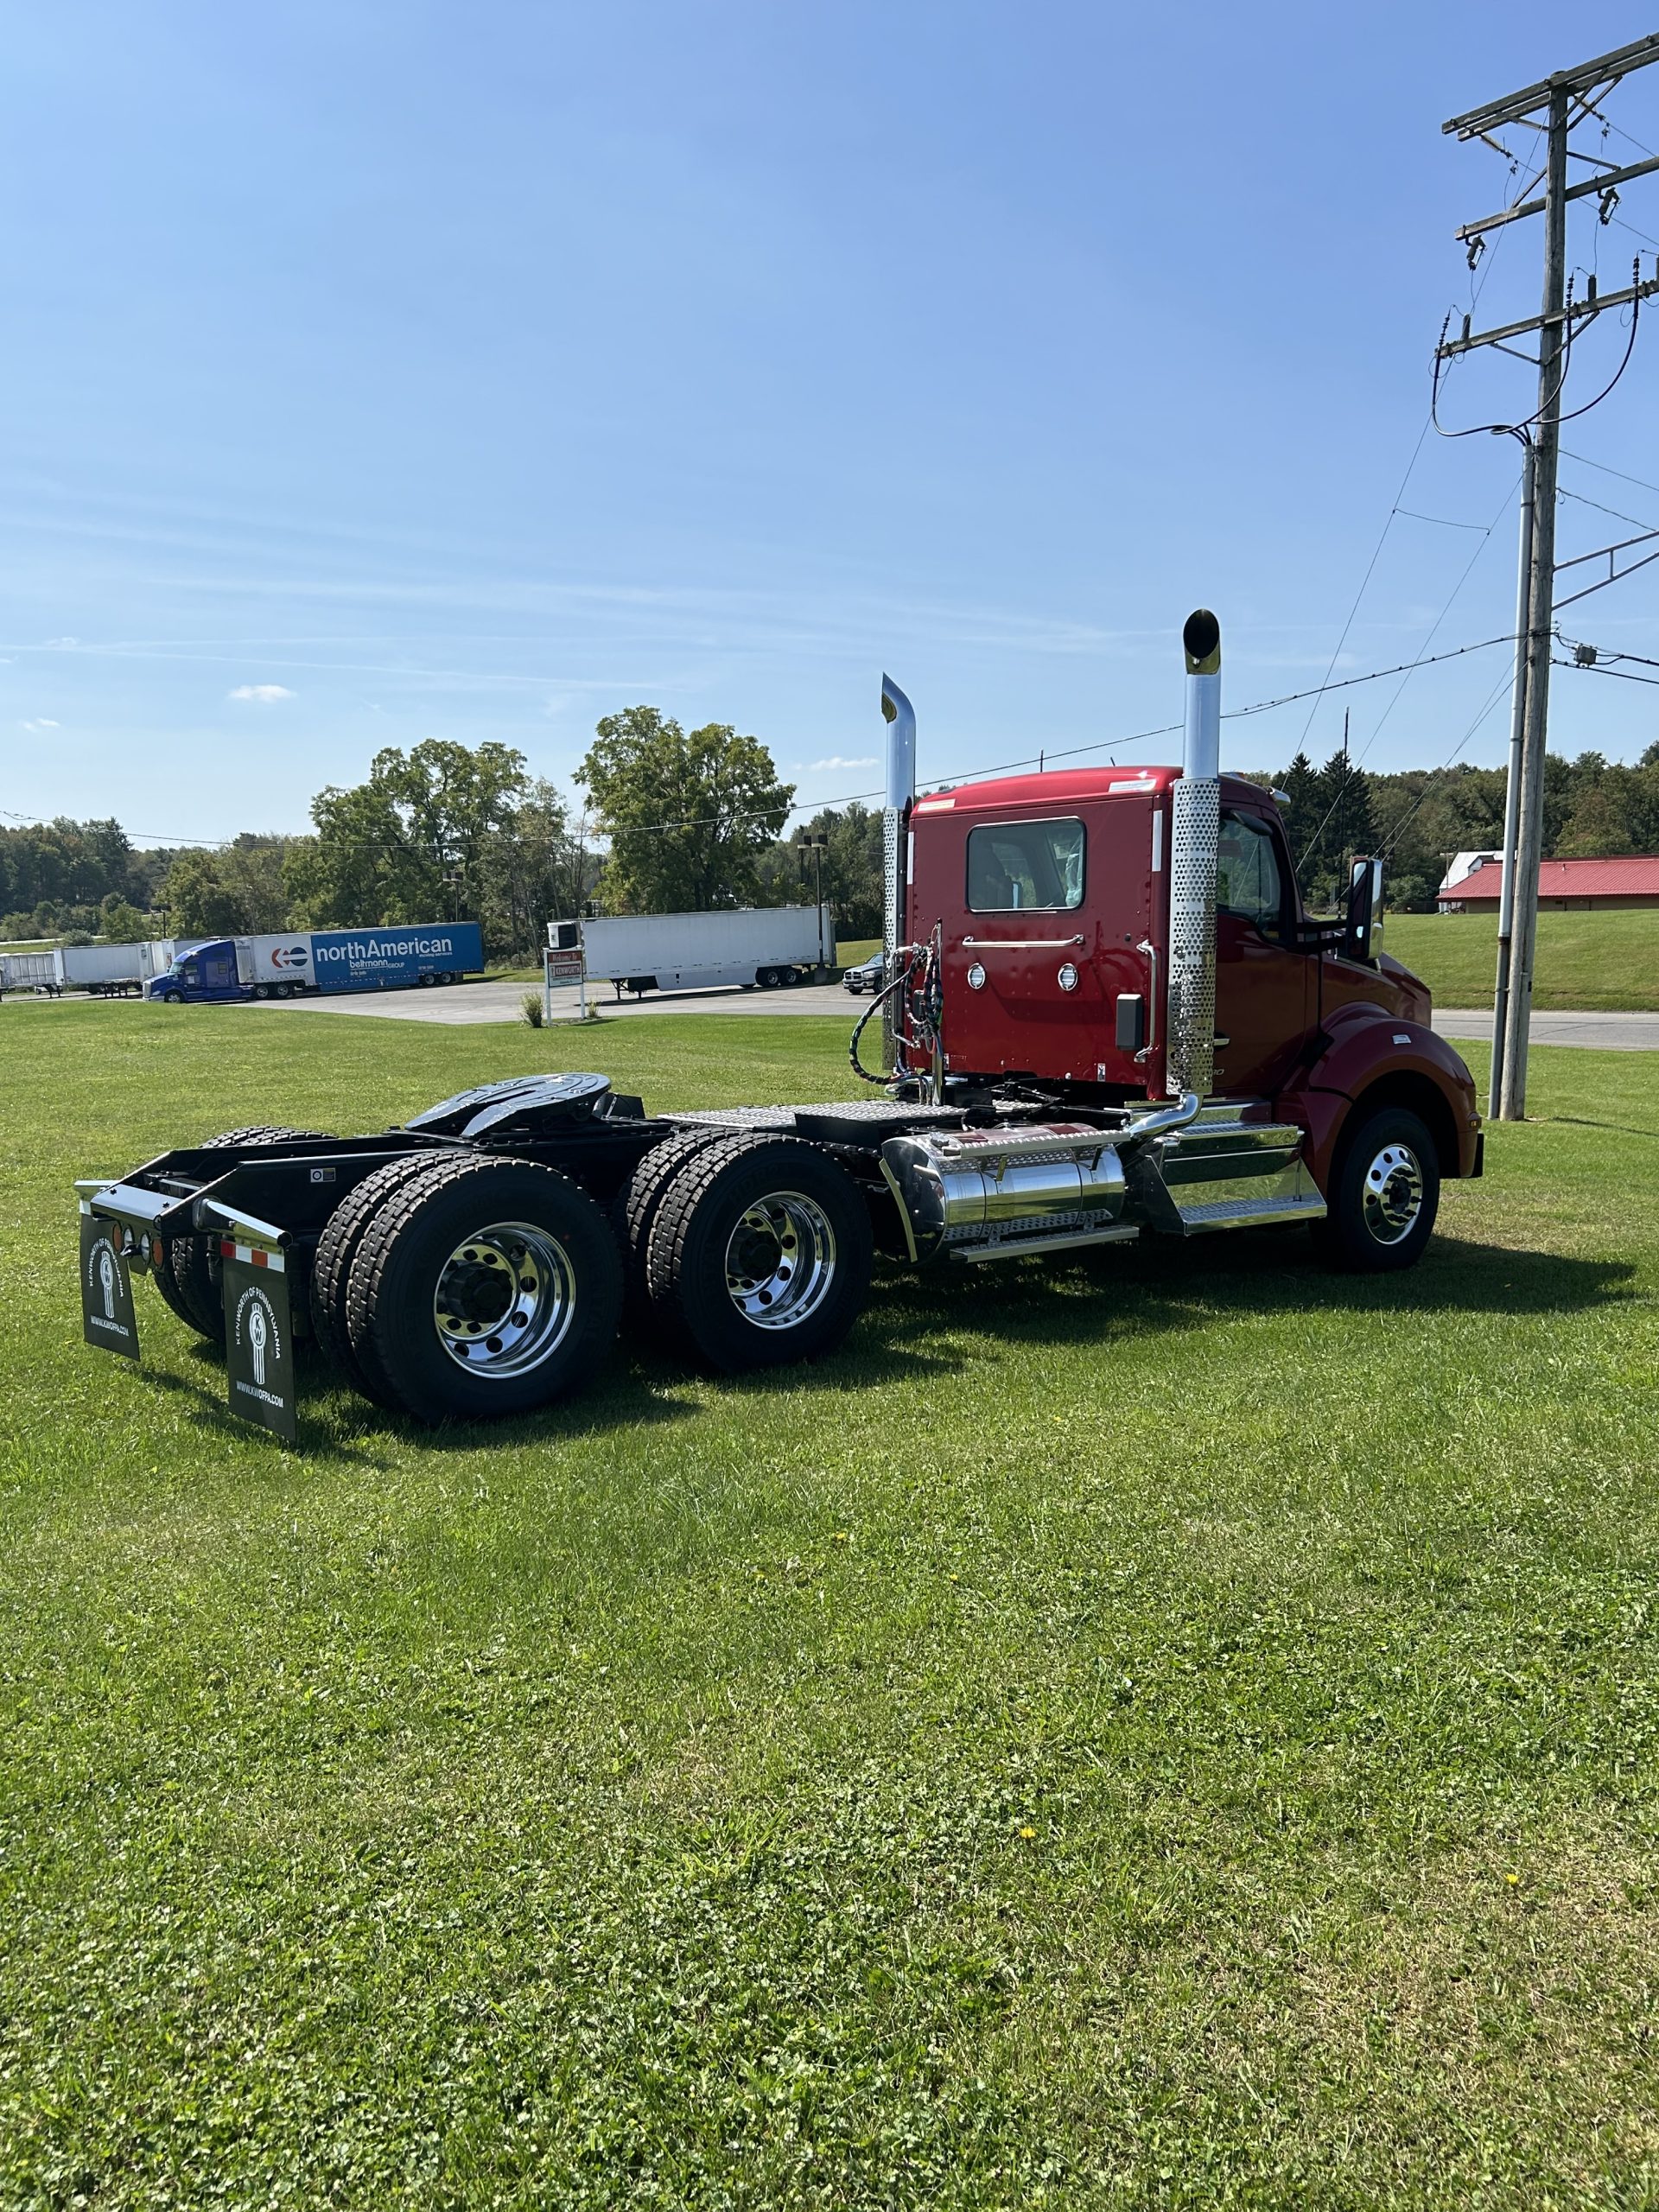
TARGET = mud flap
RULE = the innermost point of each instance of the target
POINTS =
(258, 1338)
(107, 1318)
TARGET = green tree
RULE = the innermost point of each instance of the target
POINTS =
(539, 872)
(422, 839)
(1346, 826)
(198, 901)
(688, 816)
(120, 921)
(1597, 826)
(1301, 806)
(251, 868)
(851, 867)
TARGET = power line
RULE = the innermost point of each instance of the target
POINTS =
(1493, 699)
(1562, 493)
(1410, 514)
(1341, 791)
(1370, 566)
(1622, 474)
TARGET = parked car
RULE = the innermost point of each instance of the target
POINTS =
(868, 975)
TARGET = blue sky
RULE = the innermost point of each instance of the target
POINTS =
(383, 373)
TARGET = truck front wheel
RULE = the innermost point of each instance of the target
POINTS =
(760, 1253)
(484, 1287)
(1384, 1193)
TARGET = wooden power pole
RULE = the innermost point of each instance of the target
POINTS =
(1564, 100)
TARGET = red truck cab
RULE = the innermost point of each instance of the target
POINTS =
(1051, 896)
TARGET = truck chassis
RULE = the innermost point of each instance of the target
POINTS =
(479, 1260)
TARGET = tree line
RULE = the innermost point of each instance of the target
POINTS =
(668, 820)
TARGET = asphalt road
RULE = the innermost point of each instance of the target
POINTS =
(482, 1002)
(1608, 1032)
(467, 1003)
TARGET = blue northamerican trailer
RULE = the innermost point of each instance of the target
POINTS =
(398, 956)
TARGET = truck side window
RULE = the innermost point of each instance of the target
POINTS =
(1248, 881)
(1015, 865)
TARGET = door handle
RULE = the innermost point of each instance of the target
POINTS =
(1150, 949)
(1019, 943)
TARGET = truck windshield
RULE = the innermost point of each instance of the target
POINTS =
(1015, 865)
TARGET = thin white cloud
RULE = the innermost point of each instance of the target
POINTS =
(36, 727)
(266, 694)
(62, 641)
(841, 760)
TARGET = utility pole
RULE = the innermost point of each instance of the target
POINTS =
(1567, 98)
(1511, 1103)
(1512, 782)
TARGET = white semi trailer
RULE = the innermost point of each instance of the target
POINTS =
(109, 971)
(767, 946)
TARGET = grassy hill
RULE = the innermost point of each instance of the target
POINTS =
(1606, 961)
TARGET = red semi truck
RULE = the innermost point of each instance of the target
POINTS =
(1106, 1015)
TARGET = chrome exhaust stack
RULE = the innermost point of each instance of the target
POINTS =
(1195, 833)
(900, 719)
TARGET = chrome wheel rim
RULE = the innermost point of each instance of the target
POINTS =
(1393, 1194)
(506, 1299)
(780, 1260)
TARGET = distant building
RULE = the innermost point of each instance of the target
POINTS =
(1583, 887)
(1463, 864)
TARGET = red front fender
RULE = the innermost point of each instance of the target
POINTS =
(1367, 1057)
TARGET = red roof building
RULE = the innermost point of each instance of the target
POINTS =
(1586, 886)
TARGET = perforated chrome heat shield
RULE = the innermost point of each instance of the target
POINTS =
(1195, 830)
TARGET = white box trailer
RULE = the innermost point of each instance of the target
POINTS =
(746, 946)
(110, 971)
(32, 971)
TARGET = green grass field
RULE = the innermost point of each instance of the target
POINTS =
(1171, 1729)
(1595, 961)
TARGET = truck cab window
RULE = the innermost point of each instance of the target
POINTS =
(1015, 865)
(1247, 879)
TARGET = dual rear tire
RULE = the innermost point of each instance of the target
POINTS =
(753, 1251)
(464, 1289)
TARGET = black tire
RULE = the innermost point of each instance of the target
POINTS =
(465, 1231)
(194, 1259)
(337, 1249)
(810, 1229)
(1384, 1193)
(634, 1210)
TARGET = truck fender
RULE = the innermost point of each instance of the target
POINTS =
(1366, 1056)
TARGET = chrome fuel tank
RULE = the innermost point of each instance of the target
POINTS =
(961, 1185)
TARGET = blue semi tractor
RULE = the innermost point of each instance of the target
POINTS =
(398, 956)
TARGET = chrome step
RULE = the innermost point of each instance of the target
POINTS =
(1015, 1248)
(1289, 1194)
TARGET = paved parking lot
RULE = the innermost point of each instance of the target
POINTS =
(466, 1003)
(479, 1002)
